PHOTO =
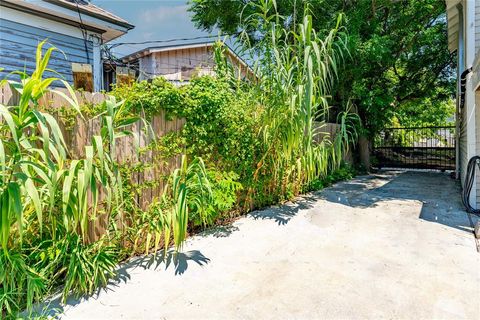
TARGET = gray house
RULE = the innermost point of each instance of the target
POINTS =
(77, 27)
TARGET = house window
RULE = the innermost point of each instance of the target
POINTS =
(82, 76)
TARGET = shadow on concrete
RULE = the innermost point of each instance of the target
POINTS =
(284, 213)
(219, 231)
(437, 192)
(178, 260)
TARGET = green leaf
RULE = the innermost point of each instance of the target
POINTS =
(35, 198)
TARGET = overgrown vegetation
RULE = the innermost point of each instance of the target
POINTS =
(245, 144)
(400, 69)
(50, 201)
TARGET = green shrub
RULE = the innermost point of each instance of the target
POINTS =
(251, 144)
(45, 196)
(150, 98)
(225, 187)
(345, 172)
(222, 124)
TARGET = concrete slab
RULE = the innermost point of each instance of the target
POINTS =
(390, 245)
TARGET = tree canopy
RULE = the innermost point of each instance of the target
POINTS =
(400, 69)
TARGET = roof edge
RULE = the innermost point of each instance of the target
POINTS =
(182, 46)
(72, 6)
(452, 23)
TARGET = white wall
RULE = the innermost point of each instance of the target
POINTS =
(468, 139)
(477, 25)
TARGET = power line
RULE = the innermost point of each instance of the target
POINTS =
(171, 40)
(84, 31)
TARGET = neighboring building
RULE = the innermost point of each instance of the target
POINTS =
(77, 27)
(179, 63)
(464, 38)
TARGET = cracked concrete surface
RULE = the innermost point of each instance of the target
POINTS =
(390, 245)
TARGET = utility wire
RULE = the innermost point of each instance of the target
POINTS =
(171, 40)
(84, 31)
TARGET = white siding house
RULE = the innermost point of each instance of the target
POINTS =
(77, 27)
(464, 38)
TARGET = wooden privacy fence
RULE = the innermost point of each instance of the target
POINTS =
(330, 130)
(150, 180)
(326, 130)
(154, 168)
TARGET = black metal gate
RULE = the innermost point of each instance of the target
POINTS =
(416, 148)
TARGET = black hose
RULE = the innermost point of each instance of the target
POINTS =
(463, 85)
(467, 188)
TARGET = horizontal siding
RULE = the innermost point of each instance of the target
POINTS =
(182, 64)
(18, 43)
(477, 25)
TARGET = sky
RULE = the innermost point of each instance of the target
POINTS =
(153, 20)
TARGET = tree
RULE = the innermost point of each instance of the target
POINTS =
(400, 67)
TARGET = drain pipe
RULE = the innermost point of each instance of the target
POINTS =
(472, 163)
(463, 85)
(460, 104)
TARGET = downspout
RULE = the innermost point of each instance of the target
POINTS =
(463, 84)
(460, 66)
(460, 106)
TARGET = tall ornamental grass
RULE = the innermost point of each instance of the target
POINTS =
(296, 70)
(49, 200)
(248, 143)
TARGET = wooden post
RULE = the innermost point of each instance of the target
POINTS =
(364, 149)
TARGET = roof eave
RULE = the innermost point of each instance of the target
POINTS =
(108, 29)
(452, 23)
(124, 24)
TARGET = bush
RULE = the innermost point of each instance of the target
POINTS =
(222, 124)
(248, 145)
(45, 196)
(345, 172)
(150, 98)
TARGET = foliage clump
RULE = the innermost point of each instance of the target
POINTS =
(244, 145)
(150, 98)
(400, 66)
(266, 132)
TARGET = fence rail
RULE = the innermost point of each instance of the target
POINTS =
(81, 133)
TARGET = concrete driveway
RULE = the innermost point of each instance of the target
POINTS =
(390, 245)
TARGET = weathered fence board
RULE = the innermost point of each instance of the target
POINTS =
(325, 130)
(81, 134)
(157, 169)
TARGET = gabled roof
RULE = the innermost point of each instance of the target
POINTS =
(76, 13)
(181, 46)
(185, 46)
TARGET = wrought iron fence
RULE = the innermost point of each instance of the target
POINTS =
(416, 148)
